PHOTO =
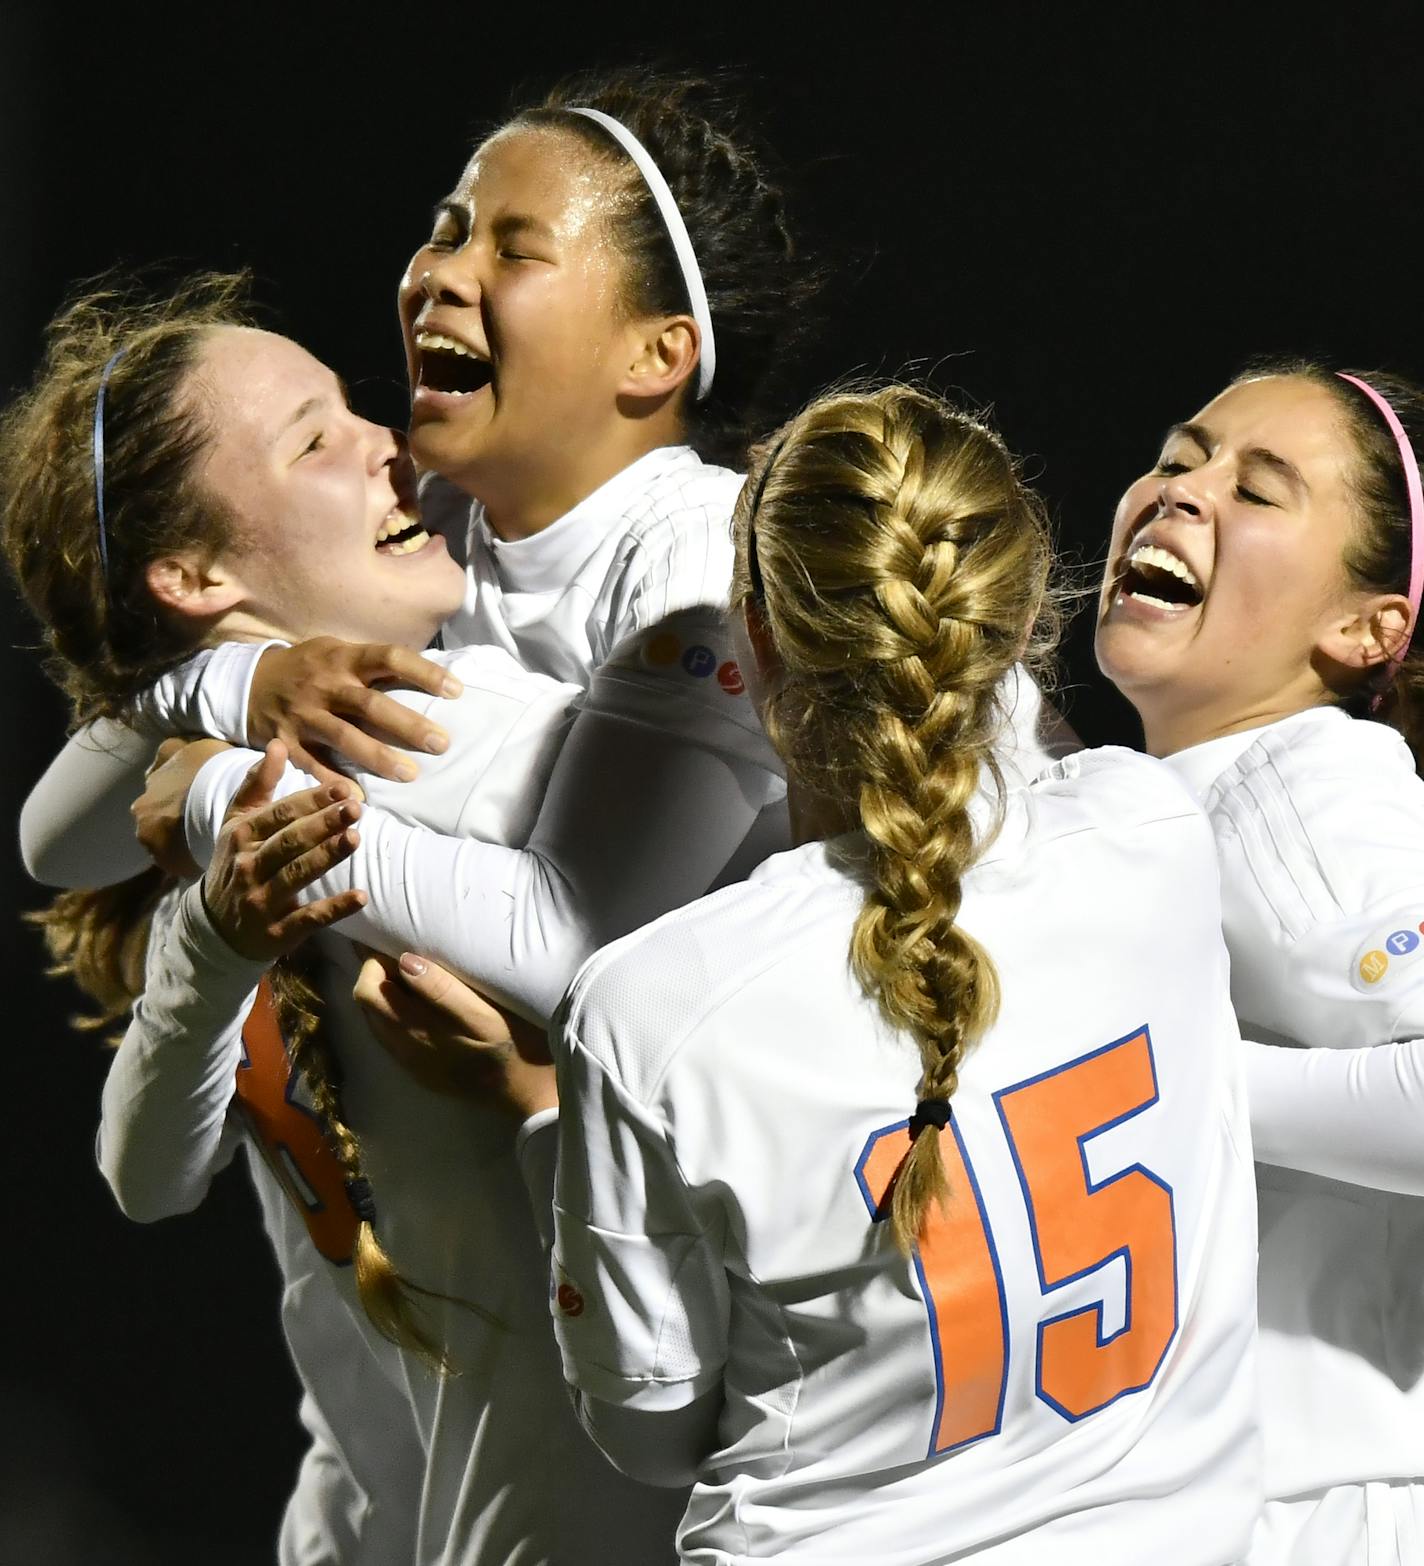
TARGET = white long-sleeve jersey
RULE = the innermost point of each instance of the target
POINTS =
(166, 1130)
(451, 1208)
(1319, 827)
(1064, 1371)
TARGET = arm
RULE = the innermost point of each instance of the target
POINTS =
(649, 797)
(641, 1297)
(162, 1133)
(1349, 1114)
(75, 829)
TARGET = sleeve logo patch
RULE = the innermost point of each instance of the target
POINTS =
(729, 677)
(570, 1301)
(699, 662)
(1384, 951)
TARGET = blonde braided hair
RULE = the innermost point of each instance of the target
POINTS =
(901, 569)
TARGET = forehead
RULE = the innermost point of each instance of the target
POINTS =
(1293, 417)
(251, 380)
(540, 171)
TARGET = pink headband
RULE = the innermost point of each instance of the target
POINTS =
(1416, 505)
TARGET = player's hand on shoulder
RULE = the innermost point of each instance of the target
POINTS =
(454, 1041)
(158, 812)
(267, 853)
(321, 699)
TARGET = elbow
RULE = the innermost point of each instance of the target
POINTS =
(654, 1449)
(40, 852)
(139, 1197)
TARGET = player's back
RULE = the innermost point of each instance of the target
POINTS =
(1064, 1371)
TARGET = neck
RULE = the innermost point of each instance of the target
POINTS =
(1165, 733)
(814, 817)
(536, 497)
(250, 625)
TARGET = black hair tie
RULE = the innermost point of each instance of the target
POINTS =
(934, 1112)
(363, 1204)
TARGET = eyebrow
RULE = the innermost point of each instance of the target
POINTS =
(312, 404)
(512, 223)
(1261, 456)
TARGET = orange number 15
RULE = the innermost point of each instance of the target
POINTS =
(1078, 1226)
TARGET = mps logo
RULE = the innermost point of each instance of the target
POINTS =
(1384, 953)
(570, 1300)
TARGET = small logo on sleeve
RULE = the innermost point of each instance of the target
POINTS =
(570, 1301)
(699, 661)
(729, 677)
(1384, 952)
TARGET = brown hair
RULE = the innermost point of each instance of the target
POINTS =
(107, 639)
(1378, 556)
(901, 568)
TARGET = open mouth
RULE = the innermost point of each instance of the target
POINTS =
(1154, 576)
(445, 365)
(401, 533)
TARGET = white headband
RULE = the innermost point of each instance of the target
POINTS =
(677, 232)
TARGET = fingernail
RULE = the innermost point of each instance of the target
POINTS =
(436, 744)
(406, 771)
(451, 686)
(412, 964)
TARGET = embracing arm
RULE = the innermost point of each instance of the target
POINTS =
(1355, 1115)
(635, 820)
(162, 1133)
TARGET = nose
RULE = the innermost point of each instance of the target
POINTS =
(446, 277)
(383, 447)
(1184, 494)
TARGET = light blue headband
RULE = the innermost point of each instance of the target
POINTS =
(99, 463)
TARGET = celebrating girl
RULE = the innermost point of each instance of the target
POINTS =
(1259, 610)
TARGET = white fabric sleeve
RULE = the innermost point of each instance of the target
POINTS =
(163, 1132)
(664, 1447)
(641, 1298)
(1349, 1114)
(75, 828)
(537, 1149)
(634, 822)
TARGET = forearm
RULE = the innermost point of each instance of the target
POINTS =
(166, 1098)
(75, 827)
(1355, 1115)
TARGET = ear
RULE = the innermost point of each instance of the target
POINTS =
(1372, 633)
(769, 668)
(664, 351)
(185, 585)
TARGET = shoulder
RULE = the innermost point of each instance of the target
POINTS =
(1325, 807)
(682, 507)
(637, 1004)
(1111, 791)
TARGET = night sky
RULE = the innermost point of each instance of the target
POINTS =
(1086, 220)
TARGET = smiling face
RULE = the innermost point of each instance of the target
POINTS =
(326, 538)
(517, 342)
(1226, 603)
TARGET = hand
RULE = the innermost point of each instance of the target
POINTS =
(267, 853)
(158, 811)
(453, 1040)
(305, 695)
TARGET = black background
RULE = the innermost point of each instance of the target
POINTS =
(1088, 216)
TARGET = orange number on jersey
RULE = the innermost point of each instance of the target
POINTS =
(1079, 1225)
(960, 1284)
(1077, 1228)
(292, 1138)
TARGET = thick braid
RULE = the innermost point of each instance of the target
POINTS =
(903, 565)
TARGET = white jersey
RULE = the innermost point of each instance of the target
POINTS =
(1064, 1371)
(165, 1132)
(1319, 825)
(452, 1211)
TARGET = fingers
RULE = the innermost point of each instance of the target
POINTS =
(390, 661)
(362, 749)
(165, 753)
(281, 856)
(383, 717)
(262, 778)
(305, 921)
(453, 1000)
